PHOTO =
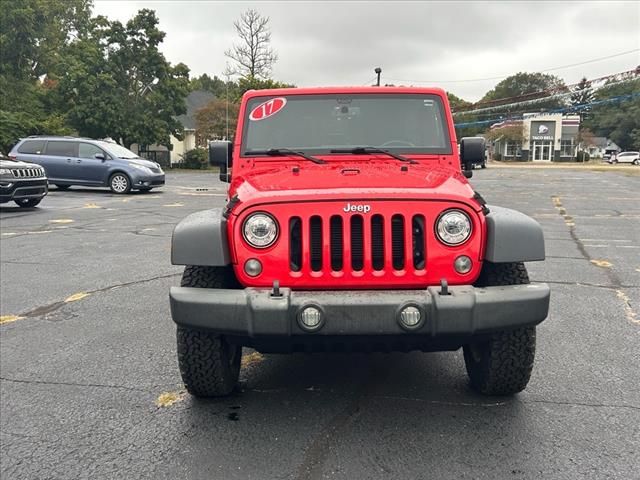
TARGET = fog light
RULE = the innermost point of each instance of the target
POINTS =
(310, 318)
(463, 264)
(410, 316)
(253, 267)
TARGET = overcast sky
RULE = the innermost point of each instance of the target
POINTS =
(415, 43)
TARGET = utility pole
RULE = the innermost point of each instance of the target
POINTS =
(378, 71)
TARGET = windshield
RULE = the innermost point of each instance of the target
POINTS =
(318, 124)
(117, 150)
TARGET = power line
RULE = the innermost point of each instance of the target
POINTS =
(620, 98)
(505, 76)
(537, 100)
(559, 89)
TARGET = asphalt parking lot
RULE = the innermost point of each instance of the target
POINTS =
(90, 386)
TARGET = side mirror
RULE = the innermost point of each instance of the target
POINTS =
(221, 155)
(100, 156)
(472, 151)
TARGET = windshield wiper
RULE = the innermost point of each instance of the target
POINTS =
(363, 150)
(276, 152)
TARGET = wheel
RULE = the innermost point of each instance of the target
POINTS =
(28, 202)
(62, 187)
(120, 183)
(483, 165)
(209, 365)
(502, 364)
(636, 161)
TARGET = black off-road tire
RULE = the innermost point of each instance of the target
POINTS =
(502, 364)
(209, 365)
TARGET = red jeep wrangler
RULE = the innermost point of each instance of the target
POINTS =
(350, 225)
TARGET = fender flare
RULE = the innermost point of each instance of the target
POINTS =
(512, 236)
(201, 239)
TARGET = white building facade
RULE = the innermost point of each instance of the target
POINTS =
(548, 137)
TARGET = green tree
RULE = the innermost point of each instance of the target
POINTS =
(580, 98)
(33, 33)
(618, 120)
(118, 84)
(253, 55)
(252, 83)
(523, 87)
(458, 106)
(211, 121)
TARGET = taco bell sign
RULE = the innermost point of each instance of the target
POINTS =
(543, 130)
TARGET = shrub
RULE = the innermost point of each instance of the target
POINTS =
(196, 159)
(497, 156)
(582, 156)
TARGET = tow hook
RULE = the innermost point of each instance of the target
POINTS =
(275, 293)
(444, 287)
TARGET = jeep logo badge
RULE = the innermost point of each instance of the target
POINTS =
(349, 208)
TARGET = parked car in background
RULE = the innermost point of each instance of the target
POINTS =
(92, 163)
(626, 157)
(24, 183)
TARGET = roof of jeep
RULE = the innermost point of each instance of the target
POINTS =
(345, 90)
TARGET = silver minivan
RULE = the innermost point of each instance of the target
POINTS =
(91, 163)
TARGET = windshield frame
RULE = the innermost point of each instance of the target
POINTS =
(401, 150)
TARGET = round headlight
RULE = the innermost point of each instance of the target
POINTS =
(260, 230)
(453, 227)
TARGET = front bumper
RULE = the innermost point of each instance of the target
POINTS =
(256, 313)
(147, 181)
(16, 189)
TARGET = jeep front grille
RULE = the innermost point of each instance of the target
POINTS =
(357, 243)
(27, 172)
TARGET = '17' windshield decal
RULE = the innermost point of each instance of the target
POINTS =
(267, 109)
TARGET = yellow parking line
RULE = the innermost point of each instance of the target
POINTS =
(167, 399)
(9, 318)
(251, 359)
(602, 263)
(76, 296)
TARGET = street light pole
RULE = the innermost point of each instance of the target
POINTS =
(378, 71)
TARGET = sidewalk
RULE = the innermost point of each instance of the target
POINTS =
(591, 166)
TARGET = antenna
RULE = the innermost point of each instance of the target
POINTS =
(227, 73)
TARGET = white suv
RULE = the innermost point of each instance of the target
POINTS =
(626, 157)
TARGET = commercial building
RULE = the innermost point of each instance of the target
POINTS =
(545, 137)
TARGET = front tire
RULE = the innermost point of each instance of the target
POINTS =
(119, 183)
(28, 202)
(209, 365)
(502, 364)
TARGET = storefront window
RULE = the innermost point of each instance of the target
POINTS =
(566, 148)
(514, 149)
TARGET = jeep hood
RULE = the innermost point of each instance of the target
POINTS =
(302, 183)
(9, 163)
